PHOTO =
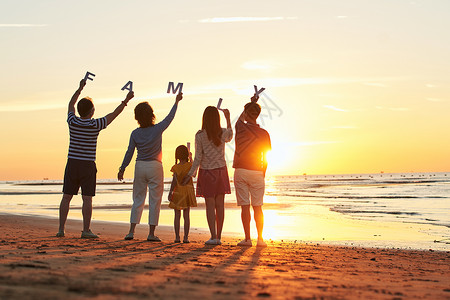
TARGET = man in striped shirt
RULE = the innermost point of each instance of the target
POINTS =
(81, 170)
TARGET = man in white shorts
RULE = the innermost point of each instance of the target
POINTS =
(252, 144)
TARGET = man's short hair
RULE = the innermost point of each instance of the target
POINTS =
(85, 106)
(252, 109)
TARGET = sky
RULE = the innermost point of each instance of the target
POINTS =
(351, 86)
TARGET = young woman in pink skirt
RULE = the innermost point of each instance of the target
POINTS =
(212, 182)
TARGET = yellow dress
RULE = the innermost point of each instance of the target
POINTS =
(183, 195)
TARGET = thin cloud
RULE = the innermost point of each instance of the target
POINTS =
(257, 65)
(22, 107)
(344, 127)
(398, 108)
(23, 25)
(335, 108)
(244, 19)
(392, 108)
(436, 100)
(284, 82)
(240, 87)
(377, 84)
(28, 107)
(245, 87)
(330, 95)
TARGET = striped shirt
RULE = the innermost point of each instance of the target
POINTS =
(207, 154)
(83, 136)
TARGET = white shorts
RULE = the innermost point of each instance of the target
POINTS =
(249, 184)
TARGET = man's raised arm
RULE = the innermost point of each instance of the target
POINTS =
(254, 98)
(111, 116)
(75, 96)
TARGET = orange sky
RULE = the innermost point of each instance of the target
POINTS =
(352, 87)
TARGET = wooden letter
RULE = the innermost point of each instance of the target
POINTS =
(219, 104)
(86, 77)
(258, 92)
(174, 90)
(128, 86)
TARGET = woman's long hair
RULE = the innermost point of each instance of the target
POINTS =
(211, 124)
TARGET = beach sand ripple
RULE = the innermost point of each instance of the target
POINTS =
(36, 265)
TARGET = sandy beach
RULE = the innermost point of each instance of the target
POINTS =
(37, 265)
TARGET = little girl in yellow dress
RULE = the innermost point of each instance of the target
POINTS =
(181, 197)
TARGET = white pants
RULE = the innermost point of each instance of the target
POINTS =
(147, 174)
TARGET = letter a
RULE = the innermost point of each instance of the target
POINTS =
(174, 90)
(86, 77)
(128, 86)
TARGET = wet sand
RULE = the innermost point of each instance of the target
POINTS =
(34, 264)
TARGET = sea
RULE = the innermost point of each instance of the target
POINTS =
(384, 210)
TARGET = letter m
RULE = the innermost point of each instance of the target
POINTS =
(173, 89)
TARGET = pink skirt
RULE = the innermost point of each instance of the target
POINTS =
(213, 182)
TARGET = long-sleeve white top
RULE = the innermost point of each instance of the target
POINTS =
(207, 154)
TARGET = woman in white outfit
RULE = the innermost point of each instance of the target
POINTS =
(148, 173)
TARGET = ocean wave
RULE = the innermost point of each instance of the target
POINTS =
(358, 182)
(21, 193)
(384, 212)
(406, 216)
(331, 196)
(340, 179)
(57, 182)
(201, 205)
